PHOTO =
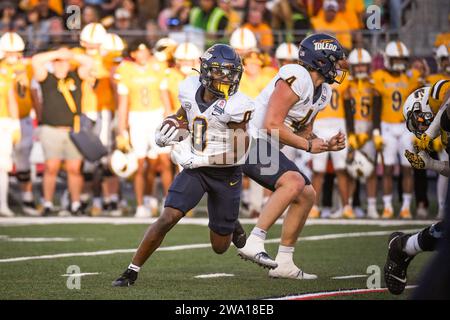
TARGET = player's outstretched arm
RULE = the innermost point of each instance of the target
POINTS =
(281, 101)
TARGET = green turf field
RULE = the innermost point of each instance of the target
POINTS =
(171, 274)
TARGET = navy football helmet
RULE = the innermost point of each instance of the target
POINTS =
(221, 70)
(321, 52)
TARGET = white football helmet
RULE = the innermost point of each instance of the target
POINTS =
(93, 33)
(113, 43)
(417, 111)
(11, 42)
(243, 39)
(396, 49)
(441, 56)
(360, 166)
(164, 49)
(124, 165)
(287, 51)
(187, 51)
(358, 57)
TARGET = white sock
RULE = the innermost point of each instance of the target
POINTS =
(246, 195)
(406, 201)
(97, 202)
(285, 254)
(27, 196)
(48, 204)
(4, 185)
(259, 233)
(442, 185)
(412, 245)
(75, 205)
(114, 197)
(134, 267)
(85, 197)
(371, 202)
(387, 200)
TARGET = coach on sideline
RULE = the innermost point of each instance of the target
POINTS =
(60, 86)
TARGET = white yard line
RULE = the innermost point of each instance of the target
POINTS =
(214, 275)
(352, 276)
(197, 246)
(35, 239)
(79, 275)
(329, 294)
(20, 221)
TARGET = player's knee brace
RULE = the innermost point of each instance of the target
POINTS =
(23, 176)
(107, 173)
(88, 176)
(429, 237)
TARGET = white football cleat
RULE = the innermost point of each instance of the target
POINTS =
(142, 212)
(290, 271)
(6, 212)
(372, 213)
(255, 252)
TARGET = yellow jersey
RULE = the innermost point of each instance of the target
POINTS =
(253, 87)
(141, 84)
(433, 78)
(21, 74)
(394, 89)
(5, 87)
(335, 109)
(360, 93)
(170, 82)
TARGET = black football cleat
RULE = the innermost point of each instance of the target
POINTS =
(126, 279)
(239, 236)
(397, 262)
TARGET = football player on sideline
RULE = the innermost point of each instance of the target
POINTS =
(420, 118)
(393, 86)
(20, 72)
(218, 117)
(287, 108)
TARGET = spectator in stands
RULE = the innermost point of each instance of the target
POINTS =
(210, 18)
(56, 33)
(329, 22)
(8, 13)
(148, 10)
(45, 12)
(255, 20)
(123, 24)
(37, 32)
(54, 5)
(290, 15)
(61, 92)
(234, 18)
(177, 12)
(90, 15)
(352, 12)
(152, 32)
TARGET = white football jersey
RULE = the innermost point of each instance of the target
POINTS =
(209, 125)
(304, 110)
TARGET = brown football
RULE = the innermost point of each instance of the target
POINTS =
(182, 125)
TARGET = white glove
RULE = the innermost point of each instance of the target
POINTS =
(164, 136)
(182, 155)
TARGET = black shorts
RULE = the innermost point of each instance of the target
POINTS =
(266, 164)
(223, 186)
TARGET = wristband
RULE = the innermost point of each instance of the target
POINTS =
(309, 145)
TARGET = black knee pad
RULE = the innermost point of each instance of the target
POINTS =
(88, 176)
(107, 172)
(23, 176)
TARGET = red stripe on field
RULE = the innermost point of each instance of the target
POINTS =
(338, 294)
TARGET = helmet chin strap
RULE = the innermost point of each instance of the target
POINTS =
(224, 88)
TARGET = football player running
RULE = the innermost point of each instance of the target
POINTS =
(218, 117)
(287, 108)
(359, 104)
(422, 121)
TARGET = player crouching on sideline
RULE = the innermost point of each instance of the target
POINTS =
(218, 117)
(286, 108)
(10, 133)
(419, 112)
(359, 103)
(20, 72)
